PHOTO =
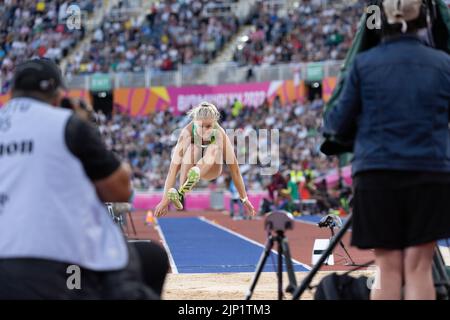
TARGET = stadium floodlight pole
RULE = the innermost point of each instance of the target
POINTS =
(334, 242)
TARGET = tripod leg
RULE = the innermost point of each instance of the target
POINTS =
(260, 266)
(352, 263)
(289, 266)
(346, 252)
(440, 277)
(335, 241)
(280, 268)
(130, 216)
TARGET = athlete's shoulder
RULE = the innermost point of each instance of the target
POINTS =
(186, 132)
(220, 128)
(223, 133)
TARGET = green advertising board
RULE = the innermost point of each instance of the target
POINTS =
(100, 82)
(314, 72)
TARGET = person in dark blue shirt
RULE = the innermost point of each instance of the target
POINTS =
(395, 103)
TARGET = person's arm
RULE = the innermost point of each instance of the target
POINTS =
(235, 172)
(111, 178)
(117, 186)
(342, 119)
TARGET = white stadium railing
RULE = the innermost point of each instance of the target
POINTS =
(207, 75)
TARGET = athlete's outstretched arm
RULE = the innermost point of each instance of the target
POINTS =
(175, 165)
(230, 159)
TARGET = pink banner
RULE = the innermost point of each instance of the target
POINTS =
(250, 94)
(139, 102)
(328, 85)
(143, 101)
(194, 201)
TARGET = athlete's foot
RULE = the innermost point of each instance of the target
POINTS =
(175, 198)
(193, 177)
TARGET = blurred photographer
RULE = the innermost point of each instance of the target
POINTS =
(55, 175)
(395, 103)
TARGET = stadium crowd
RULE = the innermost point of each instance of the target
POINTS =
(159, 41)
(309, 32)
(30, 29)
(172, 33)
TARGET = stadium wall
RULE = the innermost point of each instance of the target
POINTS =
(143, 101)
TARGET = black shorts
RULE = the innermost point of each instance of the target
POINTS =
(396, 210)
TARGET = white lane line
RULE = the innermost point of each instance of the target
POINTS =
(173, 266)
(247, 239)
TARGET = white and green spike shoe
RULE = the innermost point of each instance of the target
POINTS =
(193, 177)
(175, 198)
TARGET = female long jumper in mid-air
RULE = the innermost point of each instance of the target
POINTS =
(201, 150)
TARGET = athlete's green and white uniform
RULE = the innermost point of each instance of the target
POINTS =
(193, 176)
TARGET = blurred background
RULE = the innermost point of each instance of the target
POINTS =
(142, 64)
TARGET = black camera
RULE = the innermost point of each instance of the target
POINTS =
(80, 107)
(330, 221)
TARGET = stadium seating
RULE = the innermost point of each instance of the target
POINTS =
(30, 28)
(172, 33)
(309, 32)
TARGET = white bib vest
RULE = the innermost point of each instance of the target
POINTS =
(49, 208)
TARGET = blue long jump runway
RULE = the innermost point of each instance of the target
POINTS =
(200, 247)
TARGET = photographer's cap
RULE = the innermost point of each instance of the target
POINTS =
(38, 75)
(401, 11)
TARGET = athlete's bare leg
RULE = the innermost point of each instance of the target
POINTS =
(211, 163)
(191, 156)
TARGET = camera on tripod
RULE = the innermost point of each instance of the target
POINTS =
(118, 212)
(276, 224)
(330, 221)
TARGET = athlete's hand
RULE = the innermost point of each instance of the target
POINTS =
(249, 208)
(161, 209)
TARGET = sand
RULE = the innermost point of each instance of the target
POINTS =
(231, 286)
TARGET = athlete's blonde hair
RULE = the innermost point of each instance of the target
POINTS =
(204, 110)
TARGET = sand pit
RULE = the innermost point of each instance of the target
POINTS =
(231, 286)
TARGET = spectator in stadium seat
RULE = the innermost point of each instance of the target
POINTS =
(395, 103)
(56, 172)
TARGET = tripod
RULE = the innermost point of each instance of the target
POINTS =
(333, 235)
(276, 223)
(440, 277)
(333, 243)
(118, 212)
(332, 221)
